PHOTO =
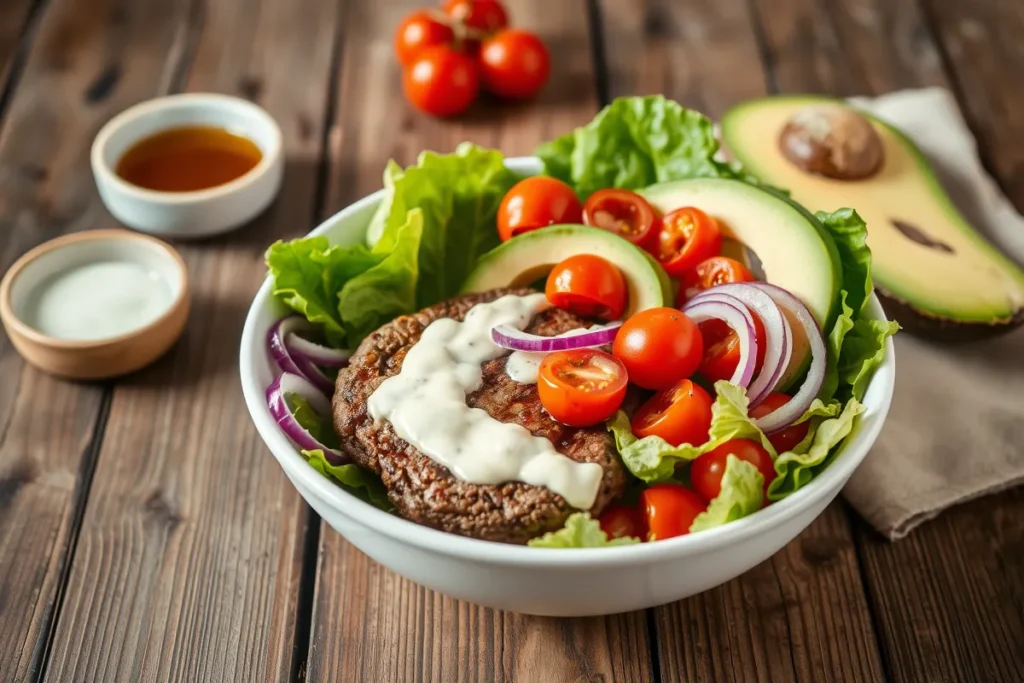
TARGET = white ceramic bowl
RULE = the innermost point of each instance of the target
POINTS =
(189, 214)
(554, 582)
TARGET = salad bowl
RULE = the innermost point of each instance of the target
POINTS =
(546, 581)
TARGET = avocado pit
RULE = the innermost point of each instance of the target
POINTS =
(832, 140)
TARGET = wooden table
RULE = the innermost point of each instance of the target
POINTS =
(147, 535)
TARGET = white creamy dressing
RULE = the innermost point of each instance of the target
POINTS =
(426, 405)
(523, 366)
(97, 301)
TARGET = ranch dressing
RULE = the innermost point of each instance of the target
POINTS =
(98, 301)
(426, 405)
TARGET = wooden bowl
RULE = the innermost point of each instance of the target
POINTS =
(94, 358)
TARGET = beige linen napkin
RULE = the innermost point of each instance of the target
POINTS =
(956, 427)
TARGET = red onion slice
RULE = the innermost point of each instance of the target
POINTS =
(277, 401)
(778, 333)
(318, 354)
(736, 316)
(509, 337)
(790, 412)
(295, 363)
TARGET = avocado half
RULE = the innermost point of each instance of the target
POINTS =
(524, 259)
(932, 271)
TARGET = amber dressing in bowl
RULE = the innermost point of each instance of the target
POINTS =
(188, 158)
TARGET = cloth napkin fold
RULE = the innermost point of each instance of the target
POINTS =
(956, 428)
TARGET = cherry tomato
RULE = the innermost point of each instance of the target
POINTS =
(581, 387)
(417, 31)
(717, 270)
(659, 347)
(670, 510)
(441, 81)
(535, 203)
(514, 64)
(788, 438)
(623, 212)
(483, 15)
(687, 237)
(680, 414)
(622, 521)
(588, 286)
(707, 470)
(722, 349)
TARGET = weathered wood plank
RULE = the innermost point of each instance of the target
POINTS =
(802, 615)
(46, 188)
(948, 597)
(189, 558)
(368, 623)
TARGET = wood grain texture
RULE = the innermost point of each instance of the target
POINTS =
(189, 557)
(368, 623)
(981, 45)
(46, 189)
(802, 615)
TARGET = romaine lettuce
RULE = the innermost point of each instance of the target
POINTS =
(580, 531)
(742, 494)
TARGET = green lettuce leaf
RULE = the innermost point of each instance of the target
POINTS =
(318, 426)
(794, 469)
(742, 494)
(654, 460)
(635, 142)
(863, 352)
(850, 234)
(834, 347)
(580, 531)
(361, 483)
(459, 195)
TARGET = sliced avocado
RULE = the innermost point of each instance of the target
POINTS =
(794, 249)
(522, 260)
(932, 270)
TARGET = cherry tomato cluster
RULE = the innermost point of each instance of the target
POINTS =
(447, 56)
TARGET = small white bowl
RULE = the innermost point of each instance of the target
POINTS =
(189, 214)
(546, 581)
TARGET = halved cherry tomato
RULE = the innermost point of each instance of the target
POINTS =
(722, 349)
(588, 286)
(707, 470)
(788, 438)
(623, 212)
(417, 31)
(581, 387)
(622, 521)
(717, 270)
(659, 347)
(670, 510)
(535, 203)
(687, 237)
(441, 81)
(483, 15)
(681, 414)
(514, 64)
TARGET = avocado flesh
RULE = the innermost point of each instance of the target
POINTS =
(934, 272)
(524, 259)
(795, 251)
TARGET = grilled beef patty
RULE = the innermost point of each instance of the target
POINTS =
(425, 491)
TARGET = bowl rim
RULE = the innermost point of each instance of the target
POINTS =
(854, 449)
(226, 103)
(20, 327)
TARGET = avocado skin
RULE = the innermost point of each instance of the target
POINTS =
(943, 330)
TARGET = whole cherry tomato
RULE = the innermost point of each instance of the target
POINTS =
(535, 203)
(417, 31)
(722, 349)
(581, 387)
(483, 15)
(659, 347)
(788, 438)
(623, 212)
(717, 270)
(707, 470)
(441, 81)
(514, 64)
(687, 237)
(680, 414)
(588, 286)
(670, 510)
(622, 521)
